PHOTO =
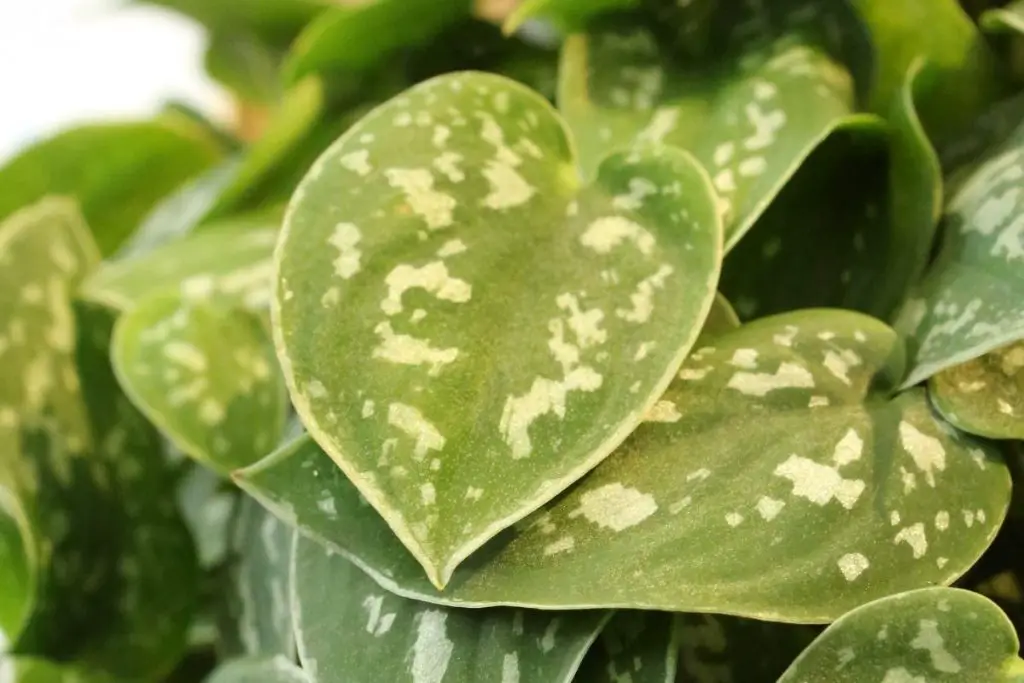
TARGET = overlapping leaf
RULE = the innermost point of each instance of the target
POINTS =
(206, 375)
(984, 396)
(751, 105)
(785, 429)
(972, 298)
(639, 647)
(504, 329)
(17, 566)
(929, 634)
(260, 670)
(388, 638)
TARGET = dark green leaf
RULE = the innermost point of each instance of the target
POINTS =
(635, 647)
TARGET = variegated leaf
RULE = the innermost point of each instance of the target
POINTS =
(206, 375)
(467, 330)
(984, 396)
(932, 634)
(751, 106)
(786, 428)
(972, 298)
(349, 630)
(635, 647)
(231, 265)
(277, 669)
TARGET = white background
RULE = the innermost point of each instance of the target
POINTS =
(64, 61)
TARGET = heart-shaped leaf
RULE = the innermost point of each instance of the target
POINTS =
(349, 630)
(399, 245)
(351, 40)
(231, 265)
(984, 396)
(929, 634)
(972, 299)
(638, 647)
(751, 108)
(117, 172)
(205, 375)
(31, 670)
(260, 670)
(963, 77)
(787, 427)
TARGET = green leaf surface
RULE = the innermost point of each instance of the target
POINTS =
(351, 40)
(17, 567)
(245, 65)
(721, 319)
(785, 429)
(751, 108)
(349, 630)
(962, 75)
(32, 670)
(230, 265)
(566, 15)
(274, 21)
(638, 647)
(206, 375)
(984, 396)
(971, 301)
(1008, 19)
(932, 634)
(117, 172)
(260, 670)
(207, 504)
(401, 241)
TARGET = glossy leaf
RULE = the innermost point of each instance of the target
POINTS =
(400, 241)
(963, 77)
(350, 40)
(117, 172)
(638, 647)
(205, 375)
(231, 265)
(351, 631)
(260, 670)
(785, 428)
(972, 298)
(751, 109)
(929, 634)
(984, 396)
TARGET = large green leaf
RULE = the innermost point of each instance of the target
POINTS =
(260, 670)
(349, 630)
(206, 375)
(962, 74)
(932, 634)
(111, 548)
(972, 298)
(984, 396)
(446, 240)
(751, 105)
(635, 647)
(785, 429)
(853, 228)
(231, 265)
(117, 172)
(351, 40)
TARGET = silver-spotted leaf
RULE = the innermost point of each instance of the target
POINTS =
(751, 106)
(634, 647)
(463, 327)
(971, 301)
(984, 396)
(349, 630)
(785, 429)
(206, 375)
(117, 172)
(932, 634)
(277, 669)
(232, 265)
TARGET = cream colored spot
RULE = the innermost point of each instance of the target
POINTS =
(769, 508)
(786, 338)
(441, 135)
(926, 451)
(406, 350)
(473, 493)
(744, 358)
(929, 639)
(434, 207)
(411, 421)
(615, 507)
(818, 402)
(914, 536)
(447, 164)
(942, 520)
(694, 374)
(345, 238)
(723, 153)
(545, 396)
(508, 188)
(853, 565)
(368, 408)
(186, 354)
(849, 448)
(643, 298)
(734, 519)
(663, 411)
(358, 162)
(752, 167)
(604, 234)
(819, 483)
(788, 376)
(428, 494)
(839, 364)
(639, 190)
(433, 278)
(451, 248)
(563, 545)
(211, 412)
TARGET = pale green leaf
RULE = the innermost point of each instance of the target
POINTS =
(351, 40)
(503, 328)
(635, 647)
(230, 265)
(932, 634)
(786, 428)
(207, 505)
(117, 172)
(206, 375)
(751, 106)
(245, 65)
(972, 299)
(566, 15)
(349, 630)
(19, 669)
(260, 670)
(984, 396)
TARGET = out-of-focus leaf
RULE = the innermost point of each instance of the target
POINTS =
(245, 65)
(31, 670)
(260, 670)
(208, 505)
(984, 396)
(17, 567)
(273, 21)
(566, 15)
(638, 647)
